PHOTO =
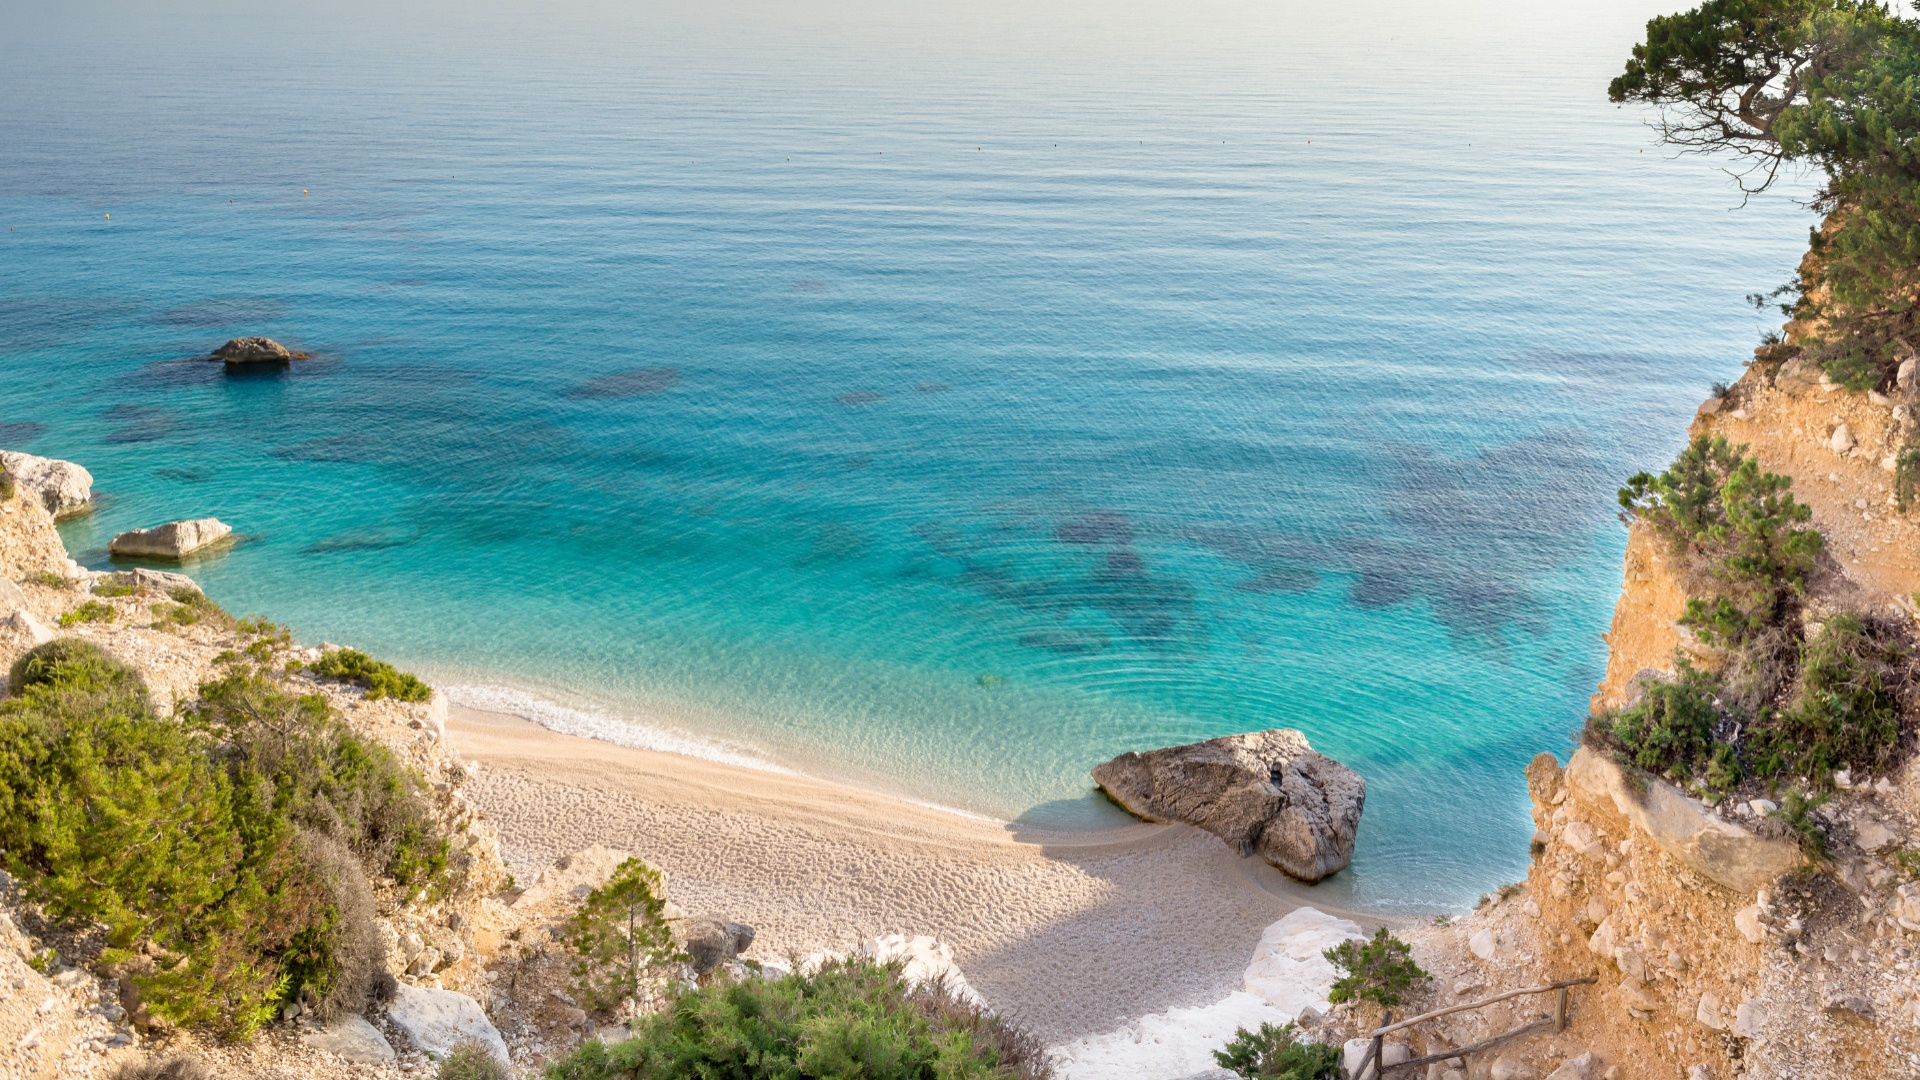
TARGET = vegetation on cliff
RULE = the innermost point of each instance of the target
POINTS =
(218, 858)
(379, 678)
(1825, 84)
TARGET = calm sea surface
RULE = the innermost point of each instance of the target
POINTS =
(938, 397)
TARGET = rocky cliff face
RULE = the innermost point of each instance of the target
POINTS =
(1721, 950)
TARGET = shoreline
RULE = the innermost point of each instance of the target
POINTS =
(1069, 933)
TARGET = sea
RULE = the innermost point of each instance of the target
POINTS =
(940, 398)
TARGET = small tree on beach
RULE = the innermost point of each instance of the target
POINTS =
(619, 936)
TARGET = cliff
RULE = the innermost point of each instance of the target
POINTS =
(1721, 948)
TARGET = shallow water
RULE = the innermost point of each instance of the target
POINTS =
(943, 400)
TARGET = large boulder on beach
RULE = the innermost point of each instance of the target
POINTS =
(64, 488)
(253, 350)
(1267, 793)
(174, 540)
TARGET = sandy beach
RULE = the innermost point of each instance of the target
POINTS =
(1068, 933)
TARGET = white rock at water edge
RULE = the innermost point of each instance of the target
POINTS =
(174, 540)
(64, 488)
(438, 1020)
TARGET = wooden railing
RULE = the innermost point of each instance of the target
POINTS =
(1555, 1023)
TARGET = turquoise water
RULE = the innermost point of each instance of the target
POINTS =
(941, 398)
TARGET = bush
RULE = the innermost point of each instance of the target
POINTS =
(191, 606)
(1843, 714)
(1273, 1053)
(74, 663)
(91, 611)
(217, 875)
(619, 936)
(1670, 729)
(1715, 505)
(1796, 809)
(380, 678)
(1906, 477)
(1380, 970)
(851, 1018)
(472, 1060)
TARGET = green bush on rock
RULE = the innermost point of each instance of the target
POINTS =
(1379, 970)
(620, 938)
(380, 678)
(851, 1018)
(1273, 1053)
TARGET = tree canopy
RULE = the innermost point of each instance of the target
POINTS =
(1832, 85)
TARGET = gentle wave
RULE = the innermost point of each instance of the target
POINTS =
(596, 724)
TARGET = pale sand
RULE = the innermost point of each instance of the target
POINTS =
(1068, 934)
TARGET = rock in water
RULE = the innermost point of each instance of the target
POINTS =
(252, 350)
(438, 1020)
(173, 540)
(1266, 792)
(64, 488)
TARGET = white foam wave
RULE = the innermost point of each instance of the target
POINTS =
(591, 723)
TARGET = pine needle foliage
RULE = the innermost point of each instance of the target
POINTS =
(1379, 970)
(1276, 1053)
(850, 1019)
(620, 938)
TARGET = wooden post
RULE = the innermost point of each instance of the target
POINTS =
(1380, 1047)
(1560, 1011)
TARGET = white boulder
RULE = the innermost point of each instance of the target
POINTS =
(1289, 970)
(65, 488)
(20, 631)
(438, 1020)
(1842, 439)
(573, 875)
(174, 540)
(353, 1039)
(923, 960)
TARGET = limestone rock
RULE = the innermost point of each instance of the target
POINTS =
(354, 1039)
(1874, 836)
(1289, 970)
(438, 1020)
(1710, 1013)
(1482, 944)
(159, 581)
(174, 540)
(573, 875)
(1636, 996)
(1747, 921)
(1905, 376)
(1748, 1019)
(253, 350)
(710, 942)
(1574, 1068)
(65, 489)
(1265, 792)
(11, 595)
(1711, 406)
(1510, 1068)
(20, 631)
(1842, 439)
(1715, 848)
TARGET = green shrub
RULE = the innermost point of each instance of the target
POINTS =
(6, 485)
(472, 1060)
(1843, 713)
(1906, 477)
(75, 663)
(114, 588)
(851, 1019)
(91, 611)
(619, 937)
(380, 678)
(1715, 505)
(191, 606)
(50, 579)
(209, 851)
(1379, 970)
(1796, 809)
(1273, 1053)
(1669, 730)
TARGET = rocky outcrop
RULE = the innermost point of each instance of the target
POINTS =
(156, 581)
(1685, 829)
(354, 1039)
(252, 350)
(571, 876)
(1644, 634)
(710, 941)
(20, 630)
(174, 540)
(438, 1020)
(64, 488)
(1267, 793)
